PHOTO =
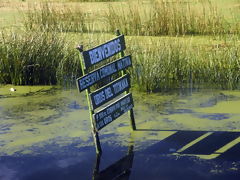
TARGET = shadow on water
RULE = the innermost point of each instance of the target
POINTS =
(181, 155)
(223, 144)
(190, 155)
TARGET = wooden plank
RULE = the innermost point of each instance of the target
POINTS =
(104, 51)
(97, 75)
(113, 111)
(110, 91)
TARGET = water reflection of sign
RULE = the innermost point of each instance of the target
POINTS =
(110, 91)
(104, 51)
(121, 169)
(93, 77)
(113, 111)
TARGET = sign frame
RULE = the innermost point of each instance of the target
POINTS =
(90, 78)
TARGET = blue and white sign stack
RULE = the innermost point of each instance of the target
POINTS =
(105, 98)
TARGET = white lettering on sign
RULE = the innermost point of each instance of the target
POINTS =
(107, 120)
(107, 70)
(89, 80)
(108, 93)
(113, 111)
(105, 51)
(102, 96)
(125, 101)
(101, 73)
(124, 63)
(100, 124)
(119, 86)
(99, 98)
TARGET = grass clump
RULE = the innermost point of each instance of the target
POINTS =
(36, 58)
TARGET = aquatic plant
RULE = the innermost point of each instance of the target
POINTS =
(174, 63)
(36, 57)
(51, 17)
(160, 17)
(150, 18)
(158, 63)
(93, 0)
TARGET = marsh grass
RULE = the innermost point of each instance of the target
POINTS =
(153, 18)
(166, 64)
(50, 17)
(44, 55)
(158, 64)
(93, 0)
(36, 58)
(160, 17)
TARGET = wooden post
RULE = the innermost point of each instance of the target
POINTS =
(91, 111)
(96, 167)
(131, 114)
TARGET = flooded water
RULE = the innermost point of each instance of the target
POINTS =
(45, 133)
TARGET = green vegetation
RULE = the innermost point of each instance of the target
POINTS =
(198, 41)
(173, 63)
(59, 18)
(154, 18)
(36, 58)
(162, 17)
(93, 0)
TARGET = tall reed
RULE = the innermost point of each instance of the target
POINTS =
(36, 58)
(160, 17)
(93, 0)
(158, 64)
(51, 17)
(173, 63)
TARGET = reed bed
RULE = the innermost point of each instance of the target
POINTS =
(158, 65)
(166, 64)
(93, 0)
(51, 17)
(44, 55)
(160, 17)
(36, 58)
(153, 18)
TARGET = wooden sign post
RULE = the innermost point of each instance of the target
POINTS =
(110, 91)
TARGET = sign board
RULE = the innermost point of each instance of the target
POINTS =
(93, 77)
(110, 91)
(104, 51)
(113, 111)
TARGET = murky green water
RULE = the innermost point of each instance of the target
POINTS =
(45, 133)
